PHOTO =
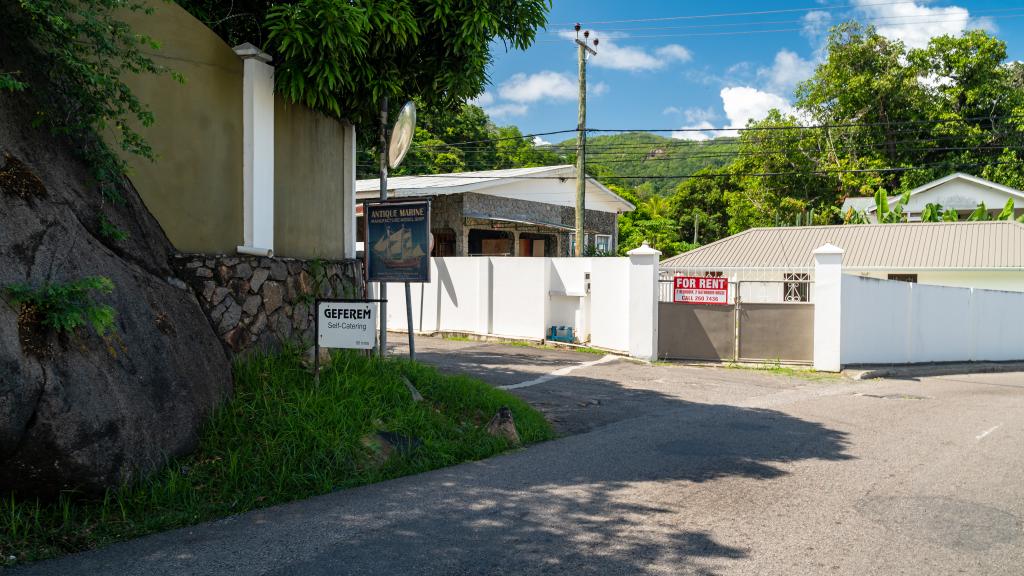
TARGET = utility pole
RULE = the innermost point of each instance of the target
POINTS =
(581, 138)
(384, 196)
(696, 225)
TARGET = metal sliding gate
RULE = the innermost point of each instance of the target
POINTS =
(781, 331)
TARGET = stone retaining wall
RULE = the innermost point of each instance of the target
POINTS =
(256, 302)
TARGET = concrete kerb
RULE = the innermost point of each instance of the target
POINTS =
(931, 369)
(489, 338)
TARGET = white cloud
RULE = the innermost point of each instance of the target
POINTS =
(610, 54)
(816, 23)
(788, 70)
(540, 86)
(697, 136)
(597, 89)
(507, 109)
(671, 110)
(697, 118)
(915, 23)
(538, 141)
(484, 99)
(743, 103)
(674, 52)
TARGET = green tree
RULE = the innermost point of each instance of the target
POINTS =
(343, 57)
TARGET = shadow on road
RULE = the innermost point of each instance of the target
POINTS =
(625, 498)
(608, 502)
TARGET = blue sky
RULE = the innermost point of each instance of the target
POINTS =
(690, 64)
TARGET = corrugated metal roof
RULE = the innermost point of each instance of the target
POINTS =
(909, 246)
(461, 179)
(461, 182)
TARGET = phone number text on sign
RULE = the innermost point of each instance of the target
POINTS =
(697, 290)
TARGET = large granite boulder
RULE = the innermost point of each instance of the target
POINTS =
(83, 411)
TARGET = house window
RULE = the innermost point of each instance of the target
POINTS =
(603, 243)
(444, 242)
(572, 243)
(912, 278)
(796, 286)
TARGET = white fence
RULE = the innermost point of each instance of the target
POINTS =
(889, 322)
(524, 297)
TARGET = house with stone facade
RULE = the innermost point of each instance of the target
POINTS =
(512, 212)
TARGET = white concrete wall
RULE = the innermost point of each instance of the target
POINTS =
(889, 322)
(524, 297)
(1011, 280)
(609, 312)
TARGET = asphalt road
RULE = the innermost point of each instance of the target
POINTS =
(667, 470)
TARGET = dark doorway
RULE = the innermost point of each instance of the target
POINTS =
(490, 243)
(531, 244)
(444, 242)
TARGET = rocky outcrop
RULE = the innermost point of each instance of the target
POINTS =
(82, 411)
(262, 302)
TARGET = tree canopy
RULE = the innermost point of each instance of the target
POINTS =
(342, 57)
(874, 116)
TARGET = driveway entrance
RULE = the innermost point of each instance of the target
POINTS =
(738, 331)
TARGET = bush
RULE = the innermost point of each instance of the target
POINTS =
(64, 307)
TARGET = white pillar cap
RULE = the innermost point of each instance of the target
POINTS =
(644, 250)
(829, 249)
(247, 51)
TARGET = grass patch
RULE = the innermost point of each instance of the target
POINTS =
(582, 349)
(456, 338)
(281, 438)
(777, 368)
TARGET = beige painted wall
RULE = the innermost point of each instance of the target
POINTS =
(311, 153)
(194, 189)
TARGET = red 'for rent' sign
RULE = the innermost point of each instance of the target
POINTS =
(696, 290)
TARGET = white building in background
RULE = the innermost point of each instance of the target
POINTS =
(510, 212)
(987, 255)
(958, 191)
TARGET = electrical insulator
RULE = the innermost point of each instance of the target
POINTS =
(577, 27)
(595, 41)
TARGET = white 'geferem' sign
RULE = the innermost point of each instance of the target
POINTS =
(347, 324)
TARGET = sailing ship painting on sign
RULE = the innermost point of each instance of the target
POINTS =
(397, 249)
(398, 237)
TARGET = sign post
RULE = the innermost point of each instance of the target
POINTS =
(397, 247)
(344, 323)
(700, 290)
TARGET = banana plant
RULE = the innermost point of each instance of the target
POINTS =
(1007, 213)
(980, 214)
(887, 215)
(933, 213)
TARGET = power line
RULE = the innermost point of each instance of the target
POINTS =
(798, 21)
(738, 14)
(742, 174)
(731, 129)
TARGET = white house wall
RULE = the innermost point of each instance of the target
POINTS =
(961, 195)
(1012, 280)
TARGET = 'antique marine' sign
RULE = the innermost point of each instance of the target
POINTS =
(398, 241)
(346, 324)
(697, 290)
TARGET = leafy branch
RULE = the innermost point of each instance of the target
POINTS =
(64, 307)
(78, 52)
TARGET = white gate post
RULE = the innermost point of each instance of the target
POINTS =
(643, 302)
(258, 151)
(828, 307)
